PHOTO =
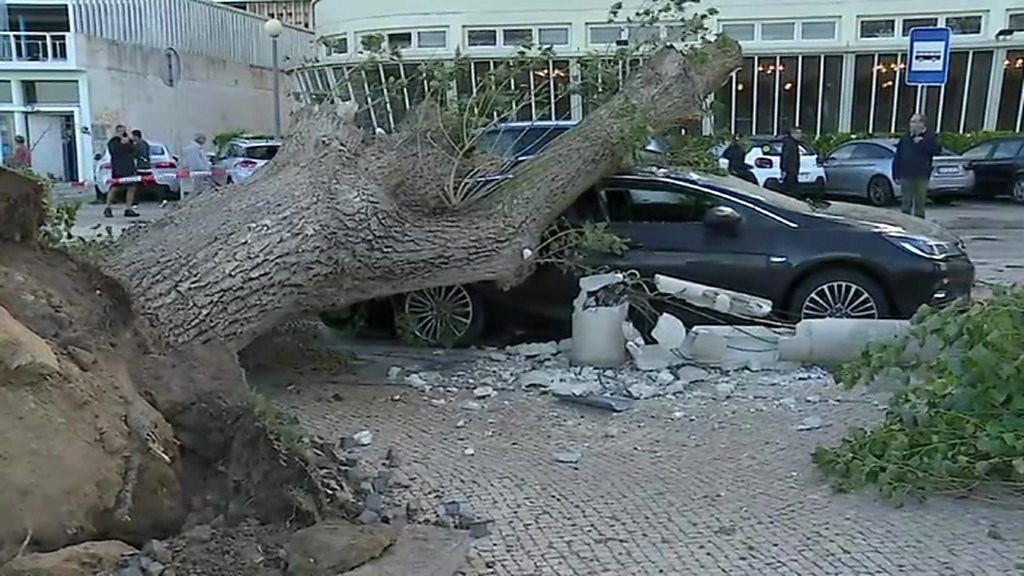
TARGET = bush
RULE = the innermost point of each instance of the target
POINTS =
(955, 141)
(958, 422)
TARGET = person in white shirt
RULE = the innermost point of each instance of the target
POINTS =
(194, 159)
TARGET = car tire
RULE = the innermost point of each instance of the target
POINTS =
(773, 184)
(447, 317)
(942, 200)
(1018, 189)
(880, 191)
(838, 293)
(819, 185)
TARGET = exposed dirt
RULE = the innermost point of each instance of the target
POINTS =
(113, 437)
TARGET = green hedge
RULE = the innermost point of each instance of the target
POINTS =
(955, 141)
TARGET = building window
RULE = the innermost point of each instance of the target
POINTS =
(1011, 92)
(432, 39)
(482, 38)
(399, 40)
(769, 94)
(883, 102)
(51, 92)
(553, 36)
(337, 45)
(605, 34)
(877, 28)
(1016, 22)
(776, 31)
(818, 31)
(517, 37)
(963, 25)
(909, 24)
(739, 32)
(677, 33)
(643, 33)
(6, 93)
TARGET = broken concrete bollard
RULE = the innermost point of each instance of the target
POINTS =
(835, 340)
(734, 347)
(718, 299)
(597, 338)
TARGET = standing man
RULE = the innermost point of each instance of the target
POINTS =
(912, 164)
(736, 155)
(195, 160)
(791, 161)
(122, 165)
(22, 155)
(142, 158)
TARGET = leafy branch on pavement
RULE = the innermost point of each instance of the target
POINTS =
(957, 424)
(58, 232)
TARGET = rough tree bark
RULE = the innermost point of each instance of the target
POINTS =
(324, 226)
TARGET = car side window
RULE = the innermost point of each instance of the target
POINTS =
(1006, 149)
(842, 153)
(979, 152)
(870, 152)
(648, 204)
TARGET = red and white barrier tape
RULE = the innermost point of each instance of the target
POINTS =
(181, 174)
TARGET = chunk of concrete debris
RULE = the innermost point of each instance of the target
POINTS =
(597, 338)
(575, 388)
(724, 391)
(651, 357)
(158, 551)
(690, 374)
(664, 378)
(536, 379)
(363, 438)
(602, 401)
(534, 349)
(394, 373)
(567, 456)
(417, 381)
(460, 424)
(482, 392)
(565, 345)
(498, 356)
(810, 423)
(473, 406)
(469, 451)
(438, 402)
(669, 332)
(642, 391)
(596, 282)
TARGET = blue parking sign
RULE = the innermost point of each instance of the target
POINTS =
(928, 56)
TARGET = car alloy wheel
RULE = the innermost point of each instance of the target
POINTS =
(1018, 189)
(839, 299)
(880, 191)
(443, 316)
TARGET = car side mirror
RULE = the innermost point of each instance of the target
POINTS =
(723, 219)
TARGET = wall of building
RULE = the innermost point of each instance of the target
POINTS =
(212, 95)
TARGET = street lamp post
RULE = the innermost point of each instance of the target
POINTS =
(274, 28)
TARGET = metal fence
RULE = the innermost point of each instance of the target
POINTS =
(190, 26)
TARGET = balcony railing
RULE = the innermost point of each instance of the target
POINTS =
(33, 47)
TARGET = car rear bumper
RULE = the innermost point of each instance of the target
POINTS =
(932, 283)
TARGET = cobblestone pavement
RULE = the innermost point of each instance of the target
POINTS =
(674, 486)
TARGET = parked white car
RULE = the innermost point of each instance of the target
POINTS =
(243, 157)
(164, 169)
(764, 157)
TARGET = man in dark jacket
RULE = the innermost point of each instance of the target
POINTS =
(791, 161)
(912, 164)
(736, 155)
(122, 165)
(142, 158)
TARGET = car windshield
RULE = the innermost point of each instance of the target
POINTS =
(157, 150)
(768, 197)
(262, 151)
(516, 142)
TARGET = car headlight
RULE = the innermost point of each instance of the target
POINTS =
(921, 246)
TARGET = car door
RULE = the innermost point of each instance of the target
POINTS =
(1001, 164)
(985, 181)
(664, 225)
(837, 170)
(869, 160)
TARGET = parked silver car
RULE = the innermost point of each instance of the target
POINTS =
(864, 168)
(243, 157)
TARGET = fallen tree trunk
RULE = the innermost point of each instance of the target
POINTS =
(324, 227)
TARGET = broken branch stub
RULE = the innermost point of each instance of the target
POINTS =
(323, 226)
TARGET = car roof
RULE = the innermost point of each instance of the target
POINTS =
(255, 141)
(999, 139)
(533, 124)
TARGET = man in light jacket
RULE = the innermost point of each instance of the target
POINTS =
(194, 159)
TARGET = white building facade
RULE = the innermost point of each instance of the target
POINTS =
(826, 66)
(71, 70)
